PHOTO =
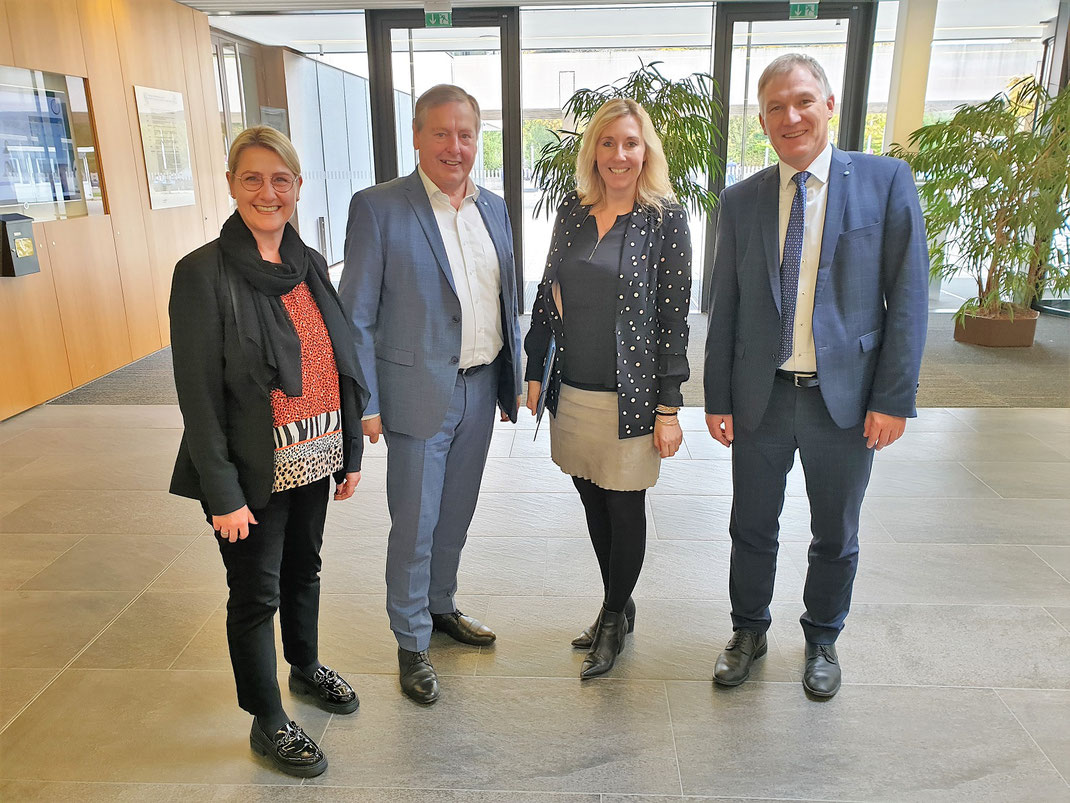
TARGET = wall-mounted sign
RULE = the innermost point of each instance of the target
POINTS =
(17, 254)
(165, 140)
(802, 11)
(438, 13)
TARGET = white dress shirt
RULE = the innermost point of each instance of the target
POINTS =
(803, 357)
(476, 272)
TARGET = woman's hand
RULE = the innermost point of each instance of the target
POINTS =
(234, 526)
(346, 487)
(534, 389)
(667, 435)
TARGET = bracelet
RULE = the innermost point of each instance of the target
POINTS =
(664, 408)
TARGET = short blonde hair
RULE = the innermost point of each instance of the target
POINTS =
(264, 136)
(439, 95)
(654, 190)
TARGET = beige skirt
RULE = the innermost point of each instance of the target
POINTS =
(584, 443)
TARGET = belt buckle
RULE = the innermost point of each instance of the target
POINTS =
(799, 379)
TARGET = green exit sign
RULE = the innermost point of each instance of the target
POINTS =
(438, 19)
(802, 11)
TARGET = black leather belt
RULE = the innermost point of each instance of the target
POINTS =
(472, 369)
(798, 380)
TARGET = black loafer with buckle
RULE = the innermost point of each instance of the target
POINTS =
(331, 690)
(291, 750)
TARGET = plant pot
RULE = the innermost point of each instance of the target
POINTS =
(999, 332)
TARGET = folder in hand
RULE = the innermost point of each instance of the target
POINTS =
(547, 372)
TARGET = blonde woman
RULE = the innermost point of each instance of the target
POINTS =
(271, 397)
(614, 296)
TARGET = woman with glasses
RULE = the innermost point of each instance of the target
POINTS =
(614, 297)
(271, 398)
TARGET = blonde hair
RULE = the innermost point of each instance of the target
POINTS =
(264, 136)
(653, 190)
(437, 96)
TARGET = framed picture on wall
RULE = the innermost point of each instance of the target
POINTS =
(165, 141)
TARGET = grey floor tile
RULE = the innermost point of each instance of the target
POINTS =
(694, 478)
(131, 730)
(524, 475)
(90, 416)
(26, 554)
(198, 568)
(47, 628)
(1044, 715)
(963, 446)
(673, 640)
(693, 799)
(510, 734)
(540, 515)
(152, 632)
(706, 518)
(49, 791)
(950, 574)
(353, 566)
(1002, 420)
(365, 514)
(118, 512)
(701, 446)
(671, 570)
(1024, 480)
(868, 743)
(504, 565)
(974, 521)
(1060, 615)
(110, 563)
(1058, 557)
(207, 649)
(938, 419)
(501, 443)
(372, 476)
(1060, 441)
(941, 645)
(18, 687)
(525, 445)
(103, 444)
(13, 500)
(923, 479)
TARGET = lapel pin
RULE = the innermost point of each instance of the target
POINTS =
(847, 172)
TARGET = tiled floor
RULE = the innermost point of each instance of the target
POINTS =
(115, 681)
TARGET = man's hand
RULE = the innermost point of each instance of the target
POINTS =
(534, 389)
(882, 430)
(720, 427)
(346, 487)
(373, 428)
(234, 526)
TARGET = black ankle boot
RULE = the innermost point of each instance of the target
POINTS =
(608, 642)
(584, 640)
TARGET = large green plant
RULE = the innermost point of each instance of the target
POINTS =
(994, 180)
(683, 112)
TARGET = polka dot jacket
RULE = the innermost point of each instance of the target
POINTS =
(653, 296)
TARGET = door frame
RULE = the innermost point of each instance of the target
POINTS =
(379, 23)
(861, 29)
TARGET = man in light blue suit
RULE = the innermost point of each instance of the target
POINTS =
(816, 330)
(430, 286)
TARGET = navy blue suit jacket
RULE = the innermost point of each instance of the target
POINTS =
(870, 303)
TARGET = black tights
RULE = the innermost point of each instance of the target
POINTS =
(617, 523)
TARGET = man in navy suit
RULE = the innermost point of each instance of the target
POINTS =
(816, 329)
(430, 286)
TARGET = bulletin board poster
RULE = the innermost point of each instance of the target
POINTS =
(165, 140)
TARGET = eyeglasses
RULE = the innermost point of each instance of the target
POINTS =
(254, 181)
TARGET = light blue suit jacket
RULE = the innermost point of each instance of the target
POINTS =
(399, 291)
(870, 302)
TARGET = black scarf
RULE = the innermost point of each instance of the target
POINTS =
(268, 337)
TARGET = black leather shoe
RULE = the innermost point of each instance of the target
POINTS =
(584, 639)
(607, 645)
(733, 665)
(291, 750)
(465, 629)
(418, 678)
(822, 674)
(328, 687)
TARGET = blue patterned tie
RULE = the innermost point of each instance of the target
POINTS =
(789, 267)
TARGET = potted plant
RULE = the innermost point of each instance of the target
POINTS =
(683, 112)
(994, 183)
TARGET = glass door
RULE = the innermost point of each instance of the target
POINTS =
(747, 36)
(479, 53)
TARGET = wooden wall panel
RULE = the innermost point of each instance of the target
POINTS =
(90, 295)
(125, 192)
(45, 35)
(34, 366)
(7, 56)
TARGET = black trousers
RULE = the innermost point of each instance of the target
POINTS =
(276, 568)
(836, 464)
